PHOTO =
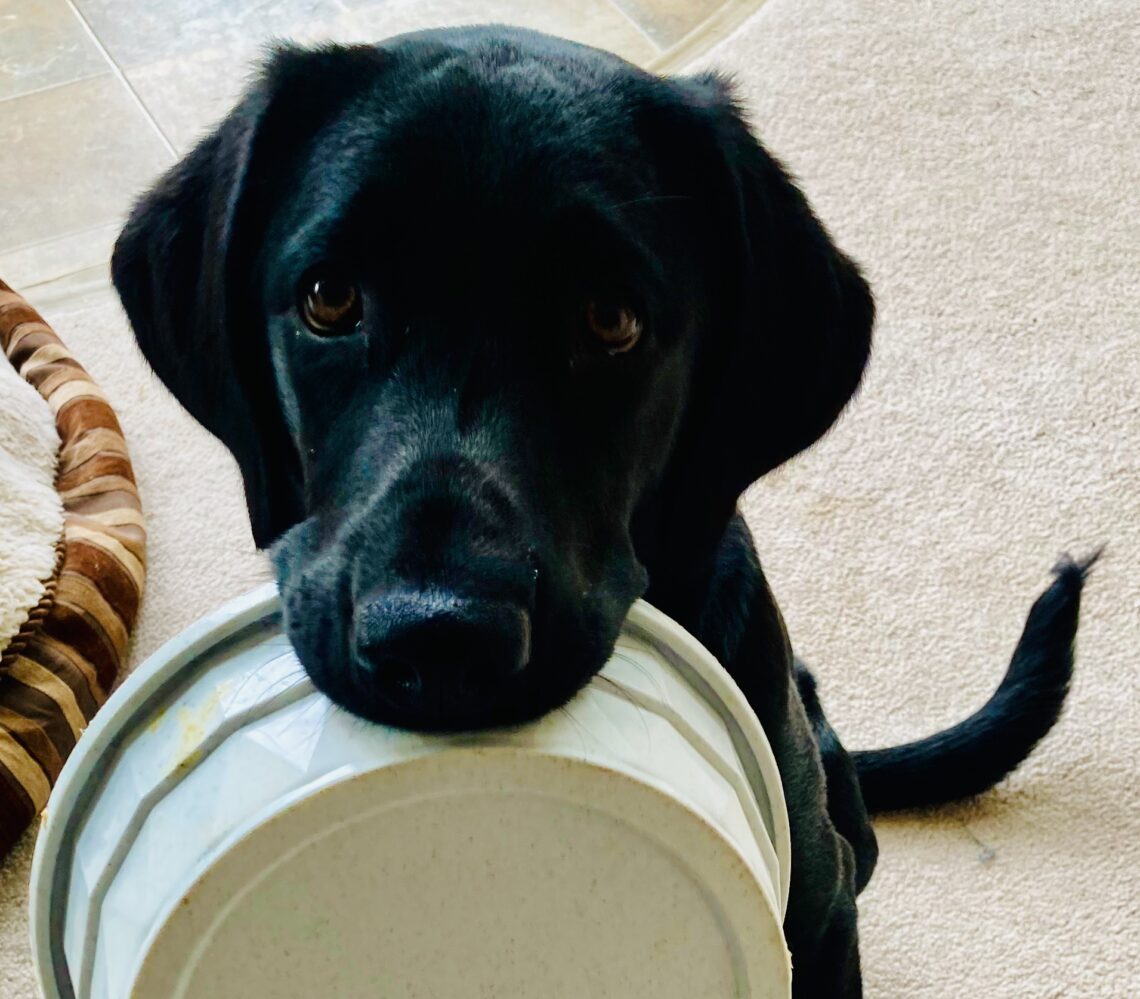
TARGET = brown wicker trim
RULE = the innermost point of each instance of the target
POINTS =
(38, 614)
(66, 657)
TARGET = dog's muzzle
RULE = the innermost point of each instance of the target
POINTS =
(438, 654)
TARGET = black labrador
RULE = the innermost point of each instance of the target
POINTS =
(498, 328)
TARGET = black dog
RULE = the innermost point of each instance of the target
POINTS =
(498, 328)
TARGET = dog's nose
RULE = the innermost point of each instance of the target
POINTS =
(439, 655)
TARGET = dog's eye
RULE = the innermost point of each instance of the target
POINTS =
(329, 304)
(617, 328)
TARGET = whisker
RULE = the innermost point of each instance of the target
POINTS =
(577, 725)
(627, 696)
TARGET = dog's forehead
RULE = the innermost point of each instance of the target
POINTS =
(523, 101)
(474, 140)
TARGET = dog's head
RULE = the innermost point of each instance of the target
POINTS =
(497, 327)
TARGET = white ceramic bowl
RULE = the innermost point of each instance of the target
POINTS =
(222, 831)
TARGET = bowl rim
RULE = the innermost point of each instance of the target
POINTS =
(154, 679)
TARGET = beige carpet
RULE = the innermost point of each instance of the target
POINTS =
(981, 161)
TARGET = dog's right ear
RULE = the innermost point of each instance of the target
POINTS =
(184, 266)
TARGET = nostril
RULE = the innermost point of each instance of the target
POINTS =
(394, 678)
(401, 678)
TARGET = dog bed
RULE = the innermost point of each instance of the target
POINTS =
(72, 558)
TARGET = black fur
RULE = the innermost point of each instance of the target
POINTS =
(467, 475)
(976, 753)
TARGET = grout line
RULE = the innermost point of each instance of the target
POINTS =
(117, 70)
(62, 277)
(658, 49)
(11, 251)
(69, 293)
(710, 32)
(54, 86)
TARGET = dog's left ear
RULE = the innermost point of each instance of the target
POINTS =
(184, 267)
(788, 330)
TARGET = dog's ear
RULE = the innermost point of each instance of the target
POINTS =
(184, 268)
(788, 330)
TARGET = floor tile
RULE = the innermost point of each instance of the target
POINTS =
(42, 44)
(73, 253)
(668, 21)
(187, 93)
(140, 32)
(721, 23)
(594, 22)
(72, 159)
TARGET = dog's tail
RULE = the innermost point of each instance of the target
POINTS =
(975, 754)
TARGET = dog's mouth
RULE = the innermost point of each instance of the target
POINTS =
(470, 690)
(436, 659)
(464, 707)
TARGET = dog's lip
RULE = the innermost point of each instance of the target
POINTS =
(379, 711)
(521, 702)
(565, 650)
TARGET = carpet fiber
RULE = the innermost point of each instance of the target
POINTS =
(981, 162)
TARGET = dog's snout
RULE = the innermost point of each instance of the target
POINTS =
(437, 655)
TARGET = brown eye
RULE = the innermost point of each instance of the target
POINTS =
(616, 327)
(329, 304)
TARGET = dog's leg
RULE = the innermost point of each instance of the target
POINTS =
(820, 923)
(844, 796)
(741, 623)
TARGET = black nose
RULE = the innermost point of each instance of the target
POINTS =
(436, 654)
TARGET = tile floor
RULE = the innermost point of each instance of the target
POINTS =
(98, 96)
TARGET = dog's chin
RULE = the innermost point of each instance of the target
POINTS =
(572, 641)
(520, 704)
(314, 622)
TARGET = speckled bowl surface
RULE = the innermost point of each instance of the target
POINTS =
(223, 831)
